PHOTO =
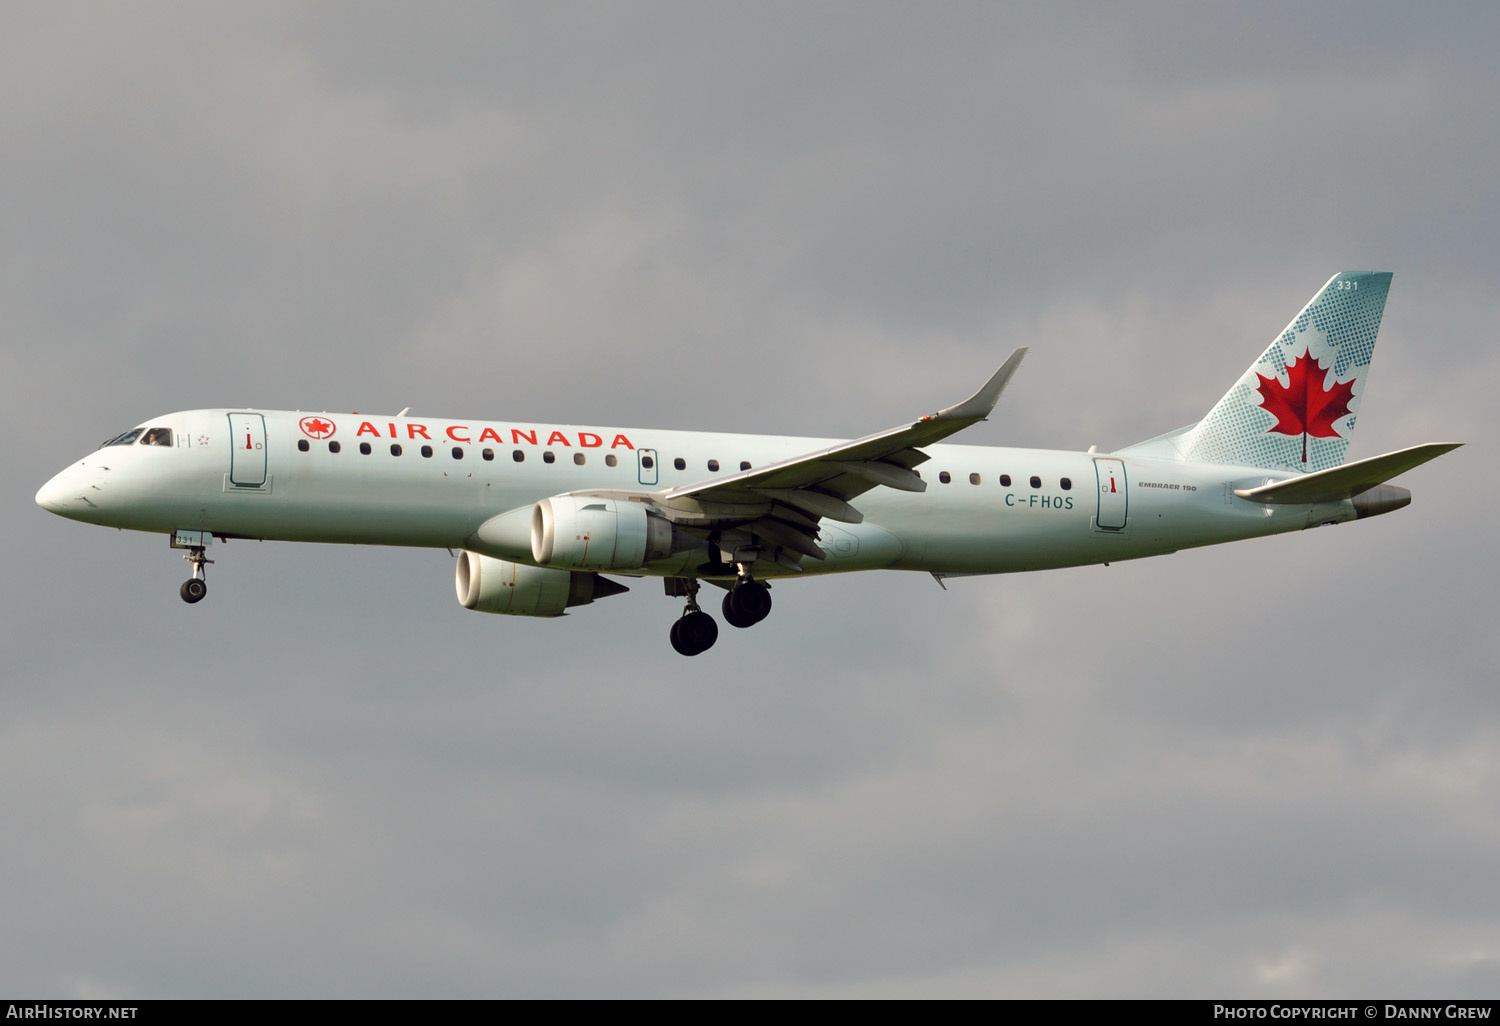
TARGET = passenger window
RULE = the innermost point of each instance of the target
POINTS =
(364, 448)
(945, 477)
(647, 462)
(158, 436)
(334, 447)
(302, 445)
(488, 454)
(578, 458)
(549, 456)
(680, 463)
(458, 452)
(1004, 480)
(610, 460)
(744, 465)
(395, 450)
(973, 479)
(1036, 482)
(1067, 484)
(427, 451)
(518, 456)
(713, 466)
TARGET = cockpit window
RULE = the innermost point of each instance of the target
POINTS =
(124, 439)
(157, 436)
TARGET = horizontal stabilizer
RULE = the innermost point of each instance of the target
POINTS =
(1347, 481)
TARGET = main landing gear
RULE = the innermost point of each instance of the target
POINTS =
(747, 604)
(695, 631)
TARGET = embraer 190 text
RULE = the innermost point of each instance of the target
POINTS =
(542, 512)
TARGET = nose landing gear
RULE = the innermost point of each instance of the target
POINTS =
(196, 542)
(195, 587)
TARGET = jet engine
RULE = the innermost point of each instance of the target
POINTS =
(591, 533)
(492, 585)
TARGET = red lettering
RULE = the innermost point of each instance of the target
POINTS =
(457, 427)
(392, 427)
(516, 434)
(619, 441)
(583, 440)
(413, 430)
(489, 434)
(559, 438)
(366, 428)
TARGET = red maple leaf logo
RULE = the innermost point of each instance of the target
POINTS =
(1305, 405)
(315, 428)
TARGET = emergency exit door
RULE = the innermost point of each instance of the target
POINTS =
(646, 465)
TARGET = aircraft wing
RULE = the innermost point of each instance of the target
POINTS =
(782, 503)
(1346, 481)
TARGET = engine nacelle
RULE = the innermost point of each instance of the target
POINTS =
(1381, 499)
(491, 585)
(590, 533)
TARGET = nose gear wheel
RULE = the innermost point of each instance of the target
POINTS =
(195, 587)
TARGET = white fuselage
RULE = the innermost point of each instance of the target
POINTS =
(265, 474)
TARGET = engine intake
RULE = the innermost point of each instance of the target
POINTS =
(490, 585)
(585, 532)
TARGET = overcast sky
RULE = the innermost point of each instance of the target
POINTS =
(1266, 769)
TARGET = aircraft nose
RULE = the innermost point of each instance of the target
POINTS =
(64, 494)
(52, 496)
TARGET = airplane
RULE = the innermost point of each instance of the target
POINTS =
(539, 514)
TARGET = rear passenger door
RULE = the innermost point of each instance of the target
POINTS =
(1114, 500)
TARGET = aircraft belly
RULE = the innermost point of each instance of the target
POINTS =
(850, 547)
(991, 537)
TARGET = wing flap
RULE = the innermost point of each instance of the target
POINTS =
(882, 473)
(819, 504)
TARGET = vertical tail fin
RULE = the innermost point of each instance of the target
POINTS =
(1294, 408)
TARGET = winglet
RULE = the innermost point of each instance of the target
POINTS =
(978, 406)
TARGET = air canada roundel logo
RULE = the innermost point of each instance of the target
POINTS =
(316, 427)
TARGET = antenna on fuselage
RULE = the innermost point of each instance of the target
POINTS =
(404, 412)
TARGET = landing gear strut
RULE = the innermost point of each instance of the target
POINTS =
(695, 631)
(195, 587)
